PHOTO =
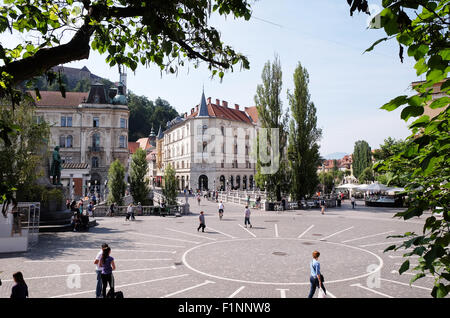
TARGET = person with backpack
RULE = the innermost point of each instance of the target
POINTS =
(98, 270)
(221, 210)
(247, 217)
(20, 289)
(201, 219)
(130, 212)
(108, 266)
(316, 278)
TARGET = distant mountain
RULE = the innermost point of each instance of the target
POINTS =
(335, 155)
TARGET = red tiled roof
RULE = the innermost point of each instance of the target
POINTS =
(143, 143)
(132, 147)
(225, 113)
(51, 98)
(252, 112)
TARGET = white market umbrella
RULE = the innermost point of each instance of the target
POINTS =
(347, 186)
(392, 191)
(362, 187)
(377, 187)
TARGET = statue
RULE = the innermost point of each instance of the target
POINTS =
(56, 167)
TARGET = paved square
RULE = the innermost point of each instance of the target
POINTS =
(167, 257)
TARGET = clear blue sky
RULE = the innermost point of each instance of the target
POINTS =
(347, 87)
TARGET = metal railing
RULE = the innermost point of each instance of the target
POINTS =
(29, 219)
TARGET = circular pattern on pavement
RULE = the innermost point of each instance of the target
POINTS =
(255, 261)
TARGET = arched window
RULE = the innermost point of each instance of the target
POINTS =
(222, 129)
(204, 128)
(94, 162)
(69, 141)
(62, 141)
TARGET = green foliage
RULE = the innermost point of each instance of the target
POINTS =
(366, 176)
(271, 115)
(19, 159)
(326, 179)
(138, 170)
(116, 182)
(392, 172)
(362, 157)
(422, 27)
(47, 197)
(166, 33)
(303, 150)
(170, 185)
(145, 114)
(388, 149)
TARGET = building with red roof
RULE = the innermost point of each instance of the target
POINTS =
(210, 147)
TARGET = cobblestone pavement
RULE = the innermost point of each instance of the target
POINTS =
(167, 257)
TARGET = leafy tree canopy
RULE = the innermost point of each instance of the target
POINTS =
(145, 114)
(362, 157)
(422, 28)
(129, 33)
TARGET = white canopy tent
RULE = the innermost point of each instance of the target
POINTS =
(362, 187)
(348, 186)
(376, 187)
(392, 191)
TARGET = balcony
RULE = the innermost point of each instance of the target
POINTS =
(95, 149)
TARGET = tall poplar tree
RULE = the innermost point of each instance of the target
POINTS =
(170, 185)
(362, 157)
(303, 150)
(271, 115)
(116, 182)
(138, 170)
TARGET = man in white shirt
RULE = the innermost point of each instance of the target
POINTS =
(220, 210)
(98, 270)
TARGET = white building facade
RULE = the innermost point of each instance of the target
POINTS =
(211, 148)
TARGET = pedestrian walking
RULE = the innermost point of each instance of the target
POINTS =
(80, 207)
(316, 278)
(202, 225)
(221, 210)
(98, 270)
(322, 206)
(140, 209)
(247, 217)
(16, 226)
(90, 209)
(353, 202)
(130, 212)
(108, 266)
(198, 198)
(111, 210)
(20, 289)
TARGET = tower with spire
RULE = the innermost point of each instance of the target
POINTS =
(203, 108)
(152, 137)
